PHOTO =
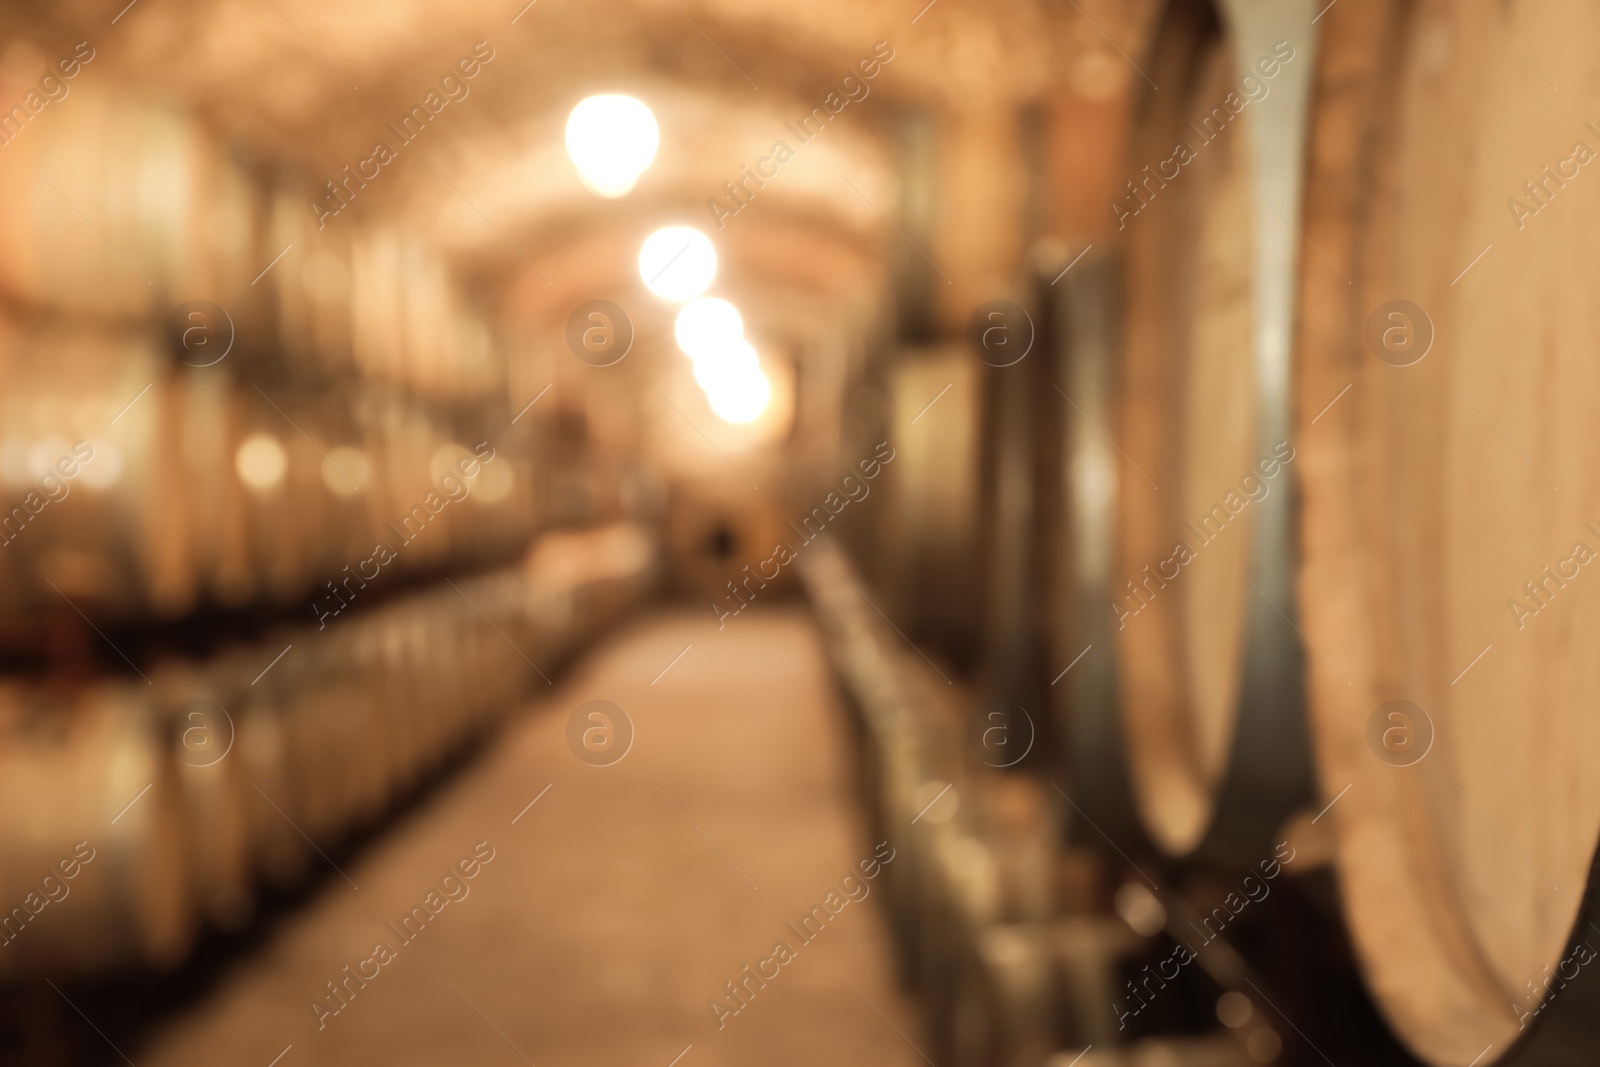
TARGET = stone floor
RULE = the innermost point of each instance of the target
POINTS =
(616, 906)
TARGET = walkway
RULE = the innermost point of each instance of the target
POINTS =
(616, 906)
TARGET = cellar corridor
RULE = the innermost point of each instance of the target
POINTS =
(673, 533)
(614, 908)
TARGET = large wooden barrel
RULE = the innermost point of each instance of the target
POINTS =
(211, 785)
(579, 581)
(281, 460)
(1446, 401)
(313, 287)
(1179, 458)
(94, 488)
(122, 208)
(341, 708)
(277, 852)
(1018, 455)
(376, 651)
(376, 296)
(211, 408)
(95, 877)
(498, 516)
(896, 777)
(929, 533)
(318, 793)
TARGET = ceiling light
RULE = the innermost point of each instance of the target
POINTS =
(707, 324)
(724, 363)
(677, 263)
(741, 399)
(612, 140)
(733, 381)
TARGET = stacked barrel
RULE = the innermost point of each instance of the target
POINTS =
(210, 400)
(1313, 511)
(266, 511)
(253, 765)
(972, 885)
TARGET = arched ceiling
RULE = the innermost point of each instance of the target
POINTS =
(315, 82)
(309, 86)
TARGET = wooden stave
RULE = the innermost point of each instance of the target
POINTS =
(1436, 961)
(211, 406)
(351, 758)
(211, 788)
(1085, 317)
(1018, 452)
(310, 291)
(279, 855)
(324, 767)
(376, 653)
(929, 532)
(180, 525)
(500, 649)
(108, 155)
(210, 243)
(315, 797)
(1265, 771)
(974, 853)
(1177, 753)
(499, 515)
(117, 543)
(285, 518)
(90, 750)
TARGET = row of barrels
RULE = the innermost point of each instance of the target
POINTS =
(132, 488)
(163, 803)
(919, 793)
(121, 208)
(1309, 491)
(994, 923)
(210, 398)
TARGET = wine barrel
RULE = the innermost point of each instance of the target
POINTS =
(377, 652)
(893, 765)
(1446, 403)
(501, 644)
(353, 784)
(1020, 441)
(974, 851)
(94, 493)
(476, 364)
(211, 785)
(211, 406)
(122, 208)
(376, 302)
(588, 576)
(313, 287)
(499, 515)
(95, 877)
(417, 454)
(427, 312)
(930, 526)
(313, 794)
(413, 646)
(277, 851)
(1179, 454)
(350, 480)
(280, 460)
